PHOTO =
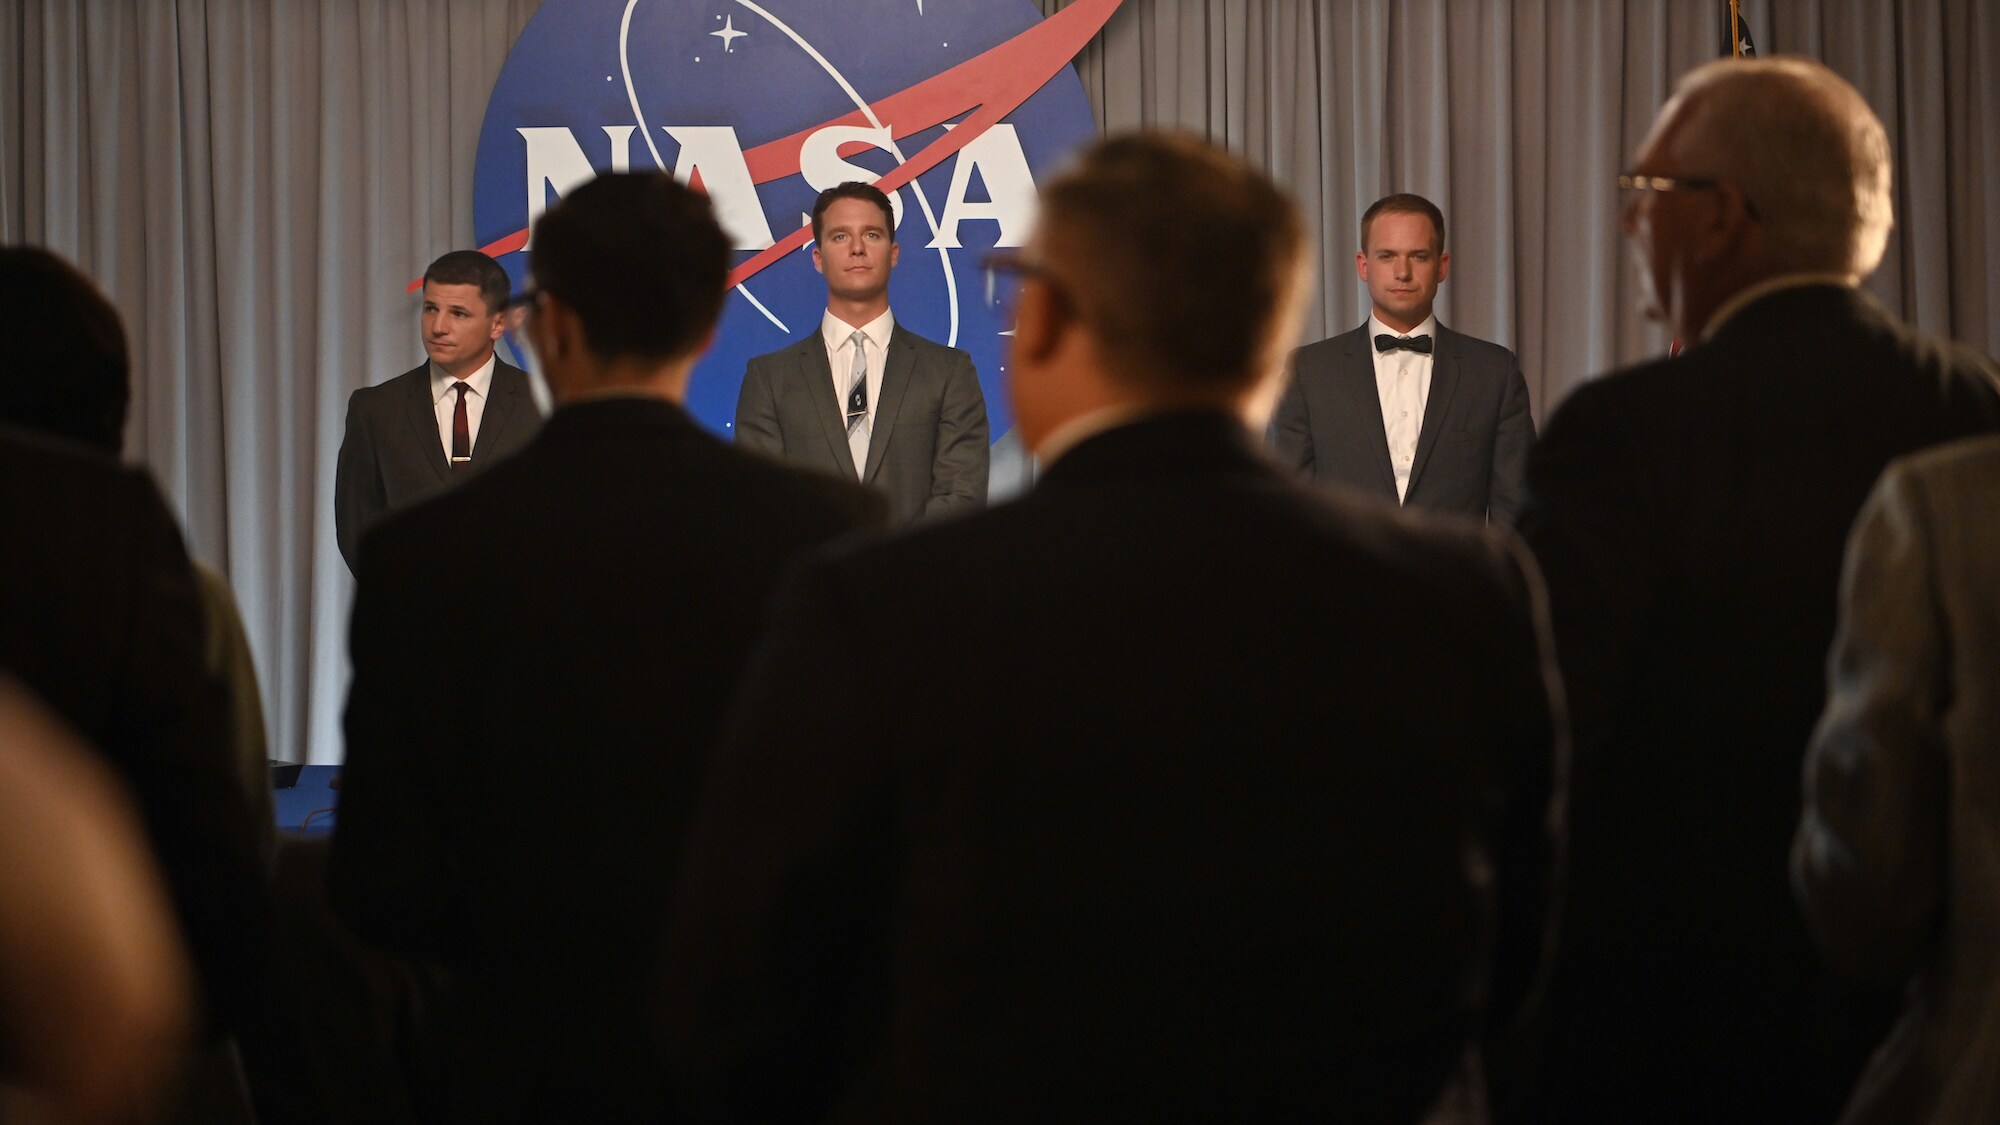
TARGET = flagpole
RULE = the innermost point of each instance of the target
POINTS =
(1735, 29)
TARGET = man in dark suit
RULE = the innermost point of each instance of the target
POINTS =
(1402, 407)
(1690, 515)
(425, 430)
(1137, 857)
(541, 659)
(865, 398)
(100, 616)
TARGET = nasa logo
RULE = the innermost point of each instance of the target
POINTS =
(955, 107)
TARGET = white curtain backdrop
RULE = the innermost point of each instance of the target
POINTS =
(252, 180)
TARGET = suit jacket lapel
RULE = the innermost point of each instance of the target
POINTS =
(818, 377)
(1365, 401)
(896, 369)
(420, 409)
(501, 405)
(1444, 383)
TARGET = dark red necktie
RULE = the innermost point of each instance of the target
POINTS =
(461, 431)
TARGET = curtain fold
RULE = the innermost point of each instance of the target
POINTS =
(254, 181)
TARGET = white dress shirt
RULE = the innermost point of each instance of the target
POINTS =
(1403, 383)
(445, 400)
(838, 335)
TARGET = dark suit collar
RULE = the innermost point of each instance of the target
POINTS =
(1437, 406)
(1798, 306)
(509, 403)
(596, 418)
(897, 365)
(419, 410)
(1446, 353)
(1178, 443)
(1360, 398)
(810, 355)
(1359, 342)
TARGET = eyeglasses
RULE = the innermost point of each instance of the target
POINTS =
(1018, 265)
(1013, 262)
(1632, 181)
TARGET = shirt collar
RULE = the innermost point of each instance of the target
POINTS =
(476, 383)
(1749, 294)
(836, 331)
(1377, 328)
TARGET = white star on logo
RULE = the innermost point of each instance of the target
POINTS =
(729, 35)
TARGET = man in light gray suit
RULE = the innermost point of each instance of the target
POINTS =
(1402, 407)
(457, 413)
(1897, 861)
(864, 397)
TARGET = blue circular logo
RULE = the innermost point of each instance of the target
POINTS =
(960, 106)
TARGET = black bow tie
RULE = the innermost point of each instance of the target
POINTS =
(1388, 343)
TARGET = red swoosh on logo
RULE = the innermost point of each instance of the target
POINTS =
(991, 85)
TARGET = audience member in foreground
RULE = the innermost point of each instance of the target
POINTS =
(1689, 515)
(1897, 860)
(541, 660)
(1138, 856)
(95, 983)
(95, 997)
(72, 379)
(1371, 409)
(101, 617)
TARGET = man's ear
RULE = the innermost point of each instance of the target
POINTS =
(816, 264)
(1041, 316)
(1728, 226)
(552, 330)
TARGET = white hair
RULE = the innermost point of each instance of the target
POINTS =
(1805, 148)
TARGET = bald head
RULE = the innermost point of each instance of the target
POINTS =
(1809, 154)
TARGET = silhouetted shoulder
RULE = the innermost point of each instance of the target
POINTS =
(846, 500)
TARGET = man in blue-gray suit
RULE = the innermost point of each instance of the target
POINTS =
(461, 410)
(864, 397)
(1402, 407)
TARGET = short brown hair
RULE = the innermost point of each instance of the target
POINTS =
(1404, 203)
(1181, 258)
(470, 267)
(854, 189)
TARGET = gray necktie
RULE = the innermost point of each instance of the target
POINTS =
(857, 390)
